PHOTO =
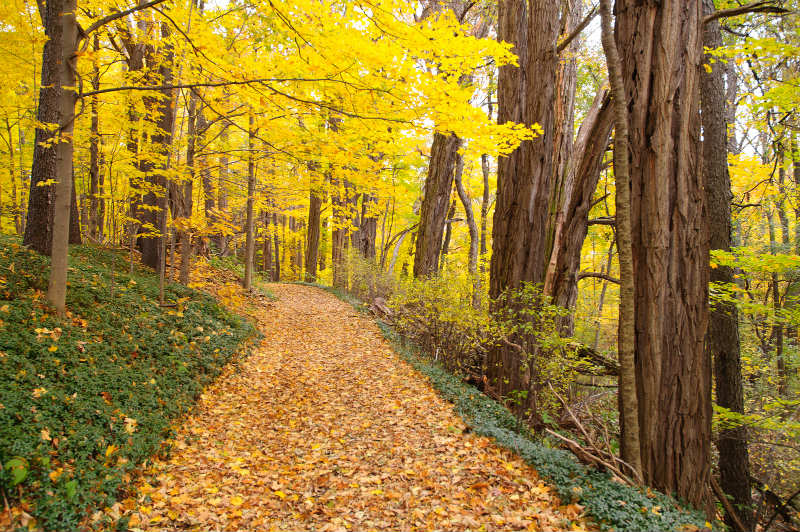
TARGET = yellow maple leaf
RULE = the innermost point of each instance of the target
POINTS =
(237, 501)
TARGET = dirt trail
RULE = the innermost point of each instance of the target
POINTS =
(324, 427)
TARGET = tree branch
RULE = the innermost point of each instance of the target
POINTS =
(761, 6)
(598, 275)
(120, 14)
(577, 31)
(604, 220)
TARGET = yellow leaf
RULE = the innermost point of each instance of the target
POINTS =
(236, 500)
(280, 494)
(111, 449)
(46, 435)
(52, 348)
(55, 474)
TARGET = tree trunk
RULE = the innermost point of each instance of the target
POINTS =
(94, 150)
(433, 212)
(153, 201)
(339, 233)
(572, 219)
(629, 408)
(250, 239)
(472, 265)
(525, 179)
(661, 52)
(64, 31)
(312, 238)
(367, 227)
(12, 168)
(448, 232)
(276, 272)
(47, 152)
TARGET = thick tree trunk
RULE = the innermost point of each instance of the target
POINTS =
(433, 211)
(521, 232)
(312, 238)
(47, 150)
(154, 202)
(629, 408)
(661, 51)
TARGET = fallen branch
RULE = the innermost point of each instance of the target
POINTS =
(726, 503)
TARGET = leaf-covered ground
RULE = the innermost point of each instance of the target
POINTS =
(324, 427)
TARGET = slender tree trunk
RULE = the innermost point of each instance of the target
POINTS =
(368, 227)
(94, 150)
(276, 272)
(631, 452)
(472, 265)
(447, 235)
(339, 233)
(12, 169)
(661, 52)
(250, 244)
(61, 14)
(433, 212)
(312, 238)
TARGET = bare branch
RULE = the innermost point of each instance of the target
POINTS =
(598, 275)
(577, 31)
(761, 6)
(120, 14)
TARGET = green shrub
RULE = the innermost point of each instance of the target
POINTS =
(86, 398)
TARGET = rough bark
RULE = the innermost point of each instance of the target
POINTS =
(154, 201)
(433, 212)
(572, 219)
(661, 51)
(312, 237)
(41, 199)
(526, 177)
(629, 408)
(366, 235)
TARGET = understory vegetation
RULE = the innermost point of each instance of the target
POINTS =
(86, 398)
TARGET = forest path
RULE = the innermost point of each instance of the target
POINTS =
(324, 427)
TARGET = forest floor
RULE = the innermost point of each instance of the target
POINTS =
(323, 427)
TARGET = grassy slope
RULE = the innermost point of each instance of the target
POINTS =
(85, 399)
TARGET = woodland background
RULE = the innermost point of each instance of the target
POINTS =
(451, 164)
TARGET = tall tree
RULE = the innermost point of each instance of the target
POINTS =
(249, 228)
(312, 237)
(629, 407)
(723, 327)
(525, 178)
(53, 143)
(661, 52)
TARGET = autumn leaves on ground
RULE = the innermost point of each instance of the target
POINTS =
(324, 427)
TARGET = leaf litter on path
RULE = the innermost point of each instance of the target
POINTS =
(323, 427)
